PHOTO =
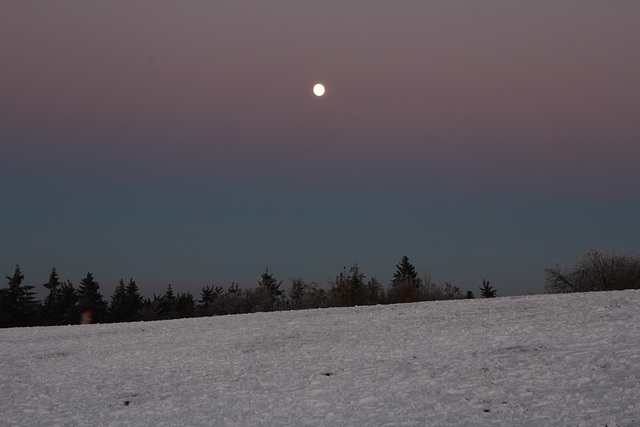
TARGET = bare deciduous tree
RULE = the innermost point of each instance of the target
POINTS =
(595, 271)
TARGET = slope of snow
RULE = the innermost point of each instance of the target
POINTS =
(535, 360)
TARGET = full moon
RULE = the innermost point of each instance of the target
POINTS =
(318, 89)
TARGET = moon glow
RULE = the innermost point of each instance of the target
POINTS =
(318, 90)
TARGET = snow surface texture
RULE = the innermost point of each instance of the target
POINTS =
(537, 360)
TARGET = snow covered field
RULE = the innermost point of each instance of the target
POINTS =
(536, 360)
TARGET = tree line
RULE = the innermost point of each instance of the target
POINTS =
(66, 304)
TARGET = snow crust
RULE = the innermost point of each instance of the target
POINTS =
(534, 361)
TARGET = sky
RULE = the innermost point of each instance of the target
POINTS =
(181, 143)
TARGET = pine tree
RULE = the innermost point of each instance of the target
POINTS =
(18, 306)
(168, 303)
(60, 305)
(150, 309)
(134, 300)
(406, 282)
(126, 301)
(118, 309)
(487, 291)
(374, 292)
(269, 291)
(406, 273)
(208, 298)
(231, 301)
(90, 298)
(51, 301)
(52, 284)
(297, 292)
(306, 295)
(185, 305)
(67, 309)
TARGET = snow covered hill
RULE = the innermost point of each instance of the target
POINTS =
(537, 360)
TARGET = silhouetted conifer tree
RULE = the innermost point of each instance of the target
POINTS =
(231, 302)
(119, 309)
(297, 292)
(126, 301)
(487, 291)
(304, 295)
(185, 305)
(406, 283)
(49, 309)
(68, 304)
(18, 306)
(60, 306)
(269, 292)
(406, 273)
(90, 298)
(167, 303)
(150, 309)
(374, 292)
(208, 297)
(134, 300)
